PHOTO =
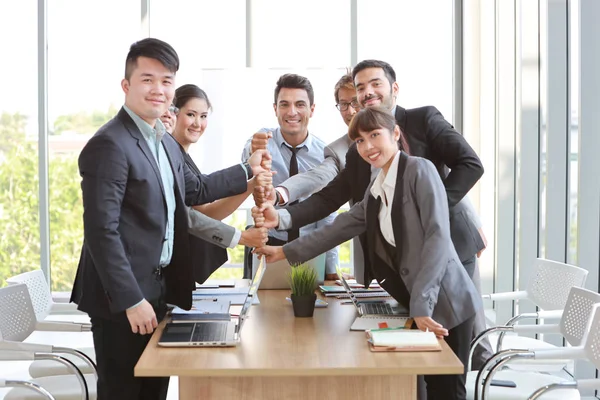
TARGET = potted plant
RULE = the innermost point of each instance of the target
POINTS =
(303, 282)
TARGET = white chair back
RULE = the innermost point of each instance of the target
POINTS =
(17, 316)
(551, 281)
(574, 324)
(592, 343)
(39, 291)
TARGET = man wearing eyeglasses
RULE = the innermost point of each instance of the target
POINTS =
(169, 118)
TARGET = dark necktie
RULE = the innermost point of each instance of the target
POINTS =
(293, 233)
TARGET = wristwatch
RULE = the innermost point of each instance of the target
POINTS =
(248, 170)
(278, 198)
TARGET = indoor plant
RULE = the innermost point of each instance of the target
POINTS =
(303, 282)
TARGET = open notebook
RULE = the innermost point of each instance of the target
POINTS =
(402, 340)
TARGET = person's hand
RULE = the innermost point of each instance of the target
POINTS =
(331, 277)
(271, 253)
(480, 230)
(142, 318)
(265, 216)
(260, 141)
(427, 323)
(254, 237)
(260, 161)
(264, 179)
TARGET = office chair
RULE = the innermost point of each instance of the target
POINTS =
(548, 288)
(17, 322)
(45, 307)
(575, 325)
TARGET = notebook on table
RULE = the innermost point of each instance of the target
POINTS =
(402, 340)
(212, 333)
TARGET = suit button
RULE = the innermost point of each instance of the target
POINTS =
(404, 271)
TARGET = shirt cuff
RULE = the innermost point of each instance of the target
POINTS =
(245, 171)
(283, 192)
(135, 305)
(235, 240)
(285, 220)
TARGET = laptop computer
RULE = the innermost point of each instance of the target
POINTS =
(212, 333)
(277, 274)
(375, 308)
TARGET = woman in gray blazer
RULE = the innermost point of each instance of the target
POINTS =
(405, 215)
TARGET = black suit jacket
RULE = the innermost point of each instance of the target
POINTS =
(429, 136)
(205, 257)
(125, 216)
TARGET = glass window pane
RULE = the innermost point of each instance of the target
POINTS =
(289, 34)
(205, 34)
(415, 37)
(84, 75)
(19, 216)
(574, 130)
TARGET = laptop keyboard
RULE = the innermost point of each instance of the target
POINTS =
(377, 308)
(209, 332)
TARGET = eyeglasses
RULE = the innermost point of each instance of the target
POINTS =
(173, 110)
(344, 106)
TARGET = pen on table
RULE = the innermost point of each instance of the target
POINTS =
(206, 299)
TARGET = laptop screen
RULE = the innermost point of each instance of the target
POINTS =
(252, 291)
(350, 293)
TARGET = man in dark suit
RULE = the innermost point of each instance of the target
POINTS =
(429, 136)
(135, 253)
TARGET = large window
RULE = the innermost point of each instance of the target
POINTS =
(19, 217)
(84, 75)
(415, 37)
(235, 50)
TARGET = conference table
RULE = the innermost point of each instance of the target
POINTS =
(284, 357)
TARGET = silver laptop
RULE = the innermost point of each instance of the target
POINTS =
(375, 308)
(212, 333)
(277, 274)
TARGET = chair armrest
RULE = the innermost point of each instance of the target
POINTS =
(64, 308)
(560, 353)
(522, 294)
(61, 297)
(16, 355)
(49, 326)
(7, 345)
(543, 328)
(550, 314)
(588, 384)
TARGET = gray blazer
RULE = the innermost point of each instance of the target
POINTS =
(428, 264)
(307, 183)
(209, 229)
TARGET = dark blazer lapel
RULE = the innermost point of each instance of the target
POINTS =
(141, 142)
(397, 212)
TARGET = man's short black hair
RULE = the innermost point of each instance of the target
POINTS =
(151, 48)
(293, 81)
(390, 74)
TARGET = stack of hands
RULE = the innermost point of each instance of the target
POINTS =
(260, 161)
(262, 186)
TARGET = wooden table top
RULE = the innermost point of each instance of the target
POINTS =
(275, 343)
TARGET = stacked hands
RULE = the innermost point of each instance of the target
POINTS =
(260, 161)
(263, 213)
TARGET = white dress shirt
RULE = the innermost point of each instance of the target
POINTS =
(384, 186)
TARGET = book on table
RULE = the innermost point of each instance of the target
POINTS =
(402, 340)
